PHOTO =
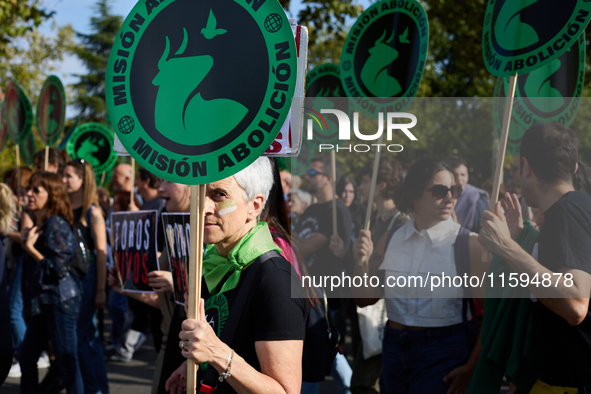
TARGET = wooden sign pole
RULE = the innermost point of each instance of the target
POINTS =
(18, 175)
(132, 180)
(372, 190)
(195, 267)
(501, 151)
(334, 191)
(46, 157)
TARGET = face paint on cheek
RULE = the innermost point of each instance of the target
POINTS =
(226, 207)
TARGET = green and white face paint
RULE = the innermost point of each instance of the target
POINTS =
(226, 207)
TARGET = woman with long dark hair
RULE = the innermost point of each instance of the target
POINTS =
(52, 292)
(89, 223)
(427, 345)
(348, 192)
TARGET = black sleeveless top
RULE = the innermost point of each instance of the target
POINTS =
(85, 231)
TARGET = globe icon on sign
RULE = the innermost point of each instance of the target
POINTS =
(346, 65)
(273, 23)
(126, 124)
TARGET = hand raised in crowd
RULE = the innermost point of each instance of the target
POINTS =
(363, 246)
(177, 382)
(337, 246)
(160, 281)
(512, 208)
(132, 207)
(494, 235)
(202, 344)
(113, 281)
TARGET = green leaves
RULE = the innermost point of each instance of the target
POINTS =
(17, 18)
(94, 50)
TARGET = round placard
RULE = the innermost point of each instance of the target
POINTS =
(19, 114)
(93, 142)
(551, 93)
(198, 90)
(323, 85)
(51, 111)
(384, 56)
(521, 36)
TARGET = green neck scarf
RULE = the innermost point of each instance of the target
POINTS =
(256, 242)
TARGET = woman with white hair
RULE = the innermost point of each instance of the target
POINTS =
(266, 348)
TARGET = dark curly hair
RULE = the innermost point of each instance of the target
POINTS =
(416, 181)
(58, 203)
(389, 172)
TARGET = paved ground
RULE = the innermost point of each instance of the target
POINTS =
(134, 377)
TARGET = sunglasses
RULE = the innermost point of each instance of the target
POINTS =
(35, 189)
(439, 191)
(314, 173)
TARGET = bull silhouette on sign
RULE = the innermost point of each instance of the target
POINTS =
(181, 113)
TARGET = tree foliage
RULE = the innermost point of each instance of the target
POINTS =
(18, 17)
(29, 60)
(328, 23)
(33, 57)
(94, 52)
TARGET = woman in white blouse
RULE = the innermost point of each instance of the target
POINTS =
(427, 346)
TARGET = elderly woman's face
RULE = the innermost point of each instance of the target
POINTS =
(227, 213)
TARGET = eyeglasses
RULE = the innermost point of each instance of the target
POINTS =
(34, 189)
(311, 172)
(440, 191)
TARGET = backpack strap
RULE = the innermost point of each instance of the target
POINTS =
(462, 252)
(210, 378)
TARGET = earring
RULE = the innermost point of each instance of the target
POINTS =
(250, 218)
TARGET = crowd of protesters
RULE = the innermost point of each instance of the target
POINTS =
(266, 230)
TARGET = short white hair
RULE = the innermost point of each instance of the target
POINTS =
(255, 179)
(304, 197)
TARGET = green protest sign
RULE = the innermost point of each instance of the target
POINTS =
(28, 148)
(51, 111)
(521, 36)
(93, 142)
(323, 84)
(384, 56)
(324, 81)
(198, 90)
(19, 113)
(3, 128)
(551, 93)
